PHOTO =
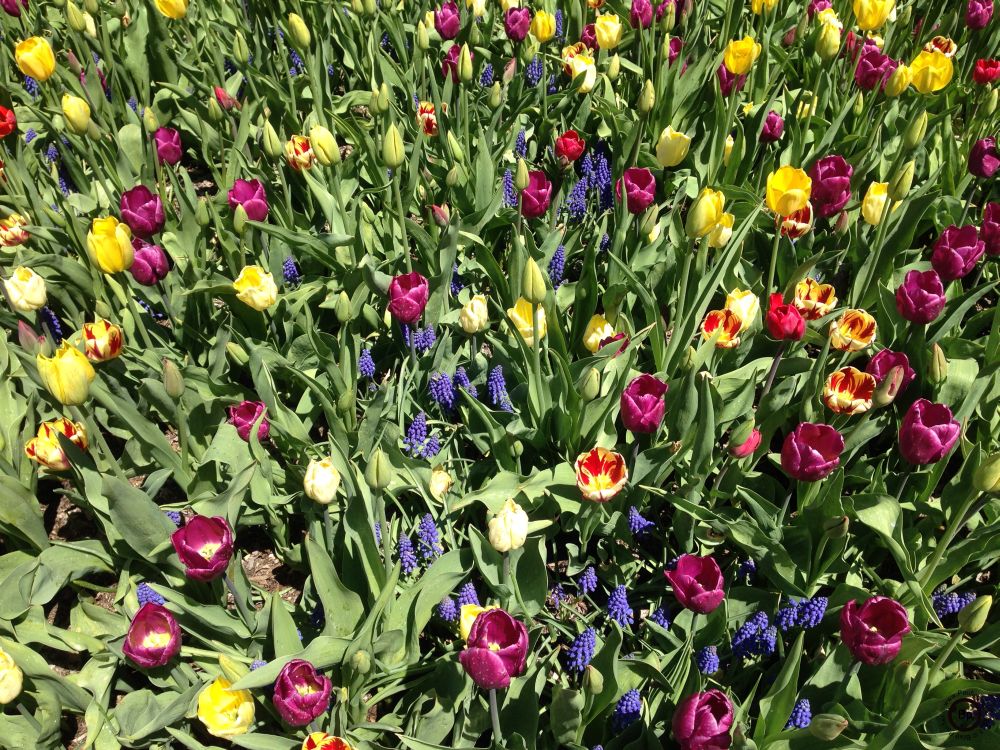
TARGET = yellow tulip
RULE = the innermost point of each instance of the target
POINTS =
(76, 111)
(225, 713)
(543, 26)
(759, 6)
(871, 14)
(719, 236)
(745, 304)
(441, 482)
(828, 42)
(598, 329)
(255, 287)
(110, 245)
(932, 71)
(740, 55)
(672, 147)
(67, 374)
(475, 315)
(11, 678)
(520, 316)
(508, 4)
(26, 290)
(466, 616)
(899, 81)
(322, 480)
(873, 204)
(705, 213)
(34, 58)
(324, 145)
(508, 529)
(583, 65)
(788, 190)
(174, 9)
(608, 29)
(727, 150)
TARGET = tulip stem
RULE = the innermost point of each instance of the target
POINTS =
(495, 717)
(774, 260)
(772, 372)
(384, 527)
(958, 520)
(397, 197)
(413, 350)
(682, 292)
(536, 352)
(842, 687)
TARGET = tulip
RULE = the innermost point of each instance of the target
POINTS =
(642, 405)
(873, 204)
(583, 67)
(984, 158)
(740, 55)
(45, 448)
(956, 252)
(873, 68)
(901, 182)
(244, 416)
(697, 583)
(722, 232)
(899, 81)
(110, 245)
(496, 650)
(829, 39)
(932, 71)
(535, 198)
(927, 433)
(449, 65)
(76, 112)
(543, 26)
(986, 72)
(11, 678)
(301, 694)
(937, 372)
(168, 146)
(440, 483)
(569, 147)
(67, 374)
(204, 546)
(873, 632)
(811, 451)
(173, 9)
(142, 211)
(705, 213)
(989, 230)
(672, 147)
(788, 190)
(986, 477)
(508, 529)
(475, 315)
(533, 286)
(598, 329)
(759, 6)
(408, 294)
(324, 741)
(467, 615)
(102, 340)
(784, 321)
(8, 121)
(871, 14)
(26, 290)
(920, 298)
(852, 331)
(746, 306)
(726, 325)
(225, 713)
(978, 14)
(746, 448)
(797, 224)
(153, 637)
(255, 287)
(34, 58)
(608, 30)
(773, 128)
(322, 480)
(149, 264)
(600, 474)
(251, 195)
(13, 8)
(447, 20)
(882, 363)
(12, 230)
(641, 14)
(831, 184)
(299, 153)
(849, 391)
(516, 23)
(702, 721)
(640, 189)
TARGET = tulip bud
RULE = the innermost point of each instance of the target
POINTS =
(441, 215)
(361, 661)
(173, 381)
(901, 182)
(215, 113)
(647, 99)
(299, 31)
(346, 402)
(74, 16)
(393, 153)
(842, 224)
(521, 177)
(669, 19)
(496, 95)
(201, 214)
(454, 175)
(836, 528)
(972, 617)
(727, 150)
(990, 106)
(150, 121)
(91, 6)
(939, 366)
(888, 389)
(74, 64)
(373, 101)
(859, 105)
(237, 352)
(593, 680)
(27, 338)
(827, 726)
(423, 39)
(518, 448)
(324, 145)
(76, 113)
(93, 132)
(378, 473)
(343, 308)
(241, 52)
(474, 35)
(649, 221)
(370, 8)
(589, 384)
(614, 67)
(533, 283)
(456, 149)
(742, 433)
(508, 529)
(358, 7)
(272, 143)
(915, 133)
(383, 98)
(741, 741)
(987, 475)
(465, 64)
(240, 219)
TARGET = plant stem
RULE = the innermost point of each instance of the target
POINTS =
(495, 717)
(958, 520)
(397, 197)
(240, 604)
(386, 547)
(774, 260)
(773, 371)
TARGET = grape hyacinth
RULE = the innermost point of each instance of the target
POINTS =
(290, 272)
(407, 558)
(627, 710)
(145, 594)
(257, 664)
(803, 613)
(295, 66)
(174, 516)
(581, 651)
(442, 390)
(801, 715)
(661, 618)
(637, 524)
(756, 637)
(51, 323)
(447, 609)
(575, 204)
(587, 580)
(462, 381)
(378, 532)
(950, 603)
(456, 281)
(366, 365)
(534, 71)
(497, 387)
(605, 243)
(429, 539)
(557, 266)
(707, 660)
(417, 442)
(602, 183)
(29, 135)
(31, 86)
(52, 153)
(509, 193)
(559, 24)
(467, 595)
(423, 338)
(486, 79)
(746, 571)
(556, 596)
(553, 86)
(618, 606)
(521, 144)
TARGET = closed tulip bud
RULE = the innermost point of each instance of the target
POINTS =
(299, 31)
(91, 6)
(508, 529)
(324, 145)
(647, 99)
(74, 16)
(614, 67)
(456, 149)
(859, 105)
(742, 433)
(669, 19)
(441, 215)
(741, 741)
(593, 680)
(454, 175)
(239, 220)
(373, 101)
(650, 221)
(836, 528)
(939, 366)
(76, 112)
(346, 402)
(887, 390)
(370, 7)
(173, 380)
(496, 95)
(827, 726)
(533, 283)
(727, 150)
(272, 143)
(828, 41)
(93, 132)
(378, 473)
(465, 64)
(358, 7)
(237, 352)
(972, 617)
(215, 113)
(589, 384)
(915, 133)
(987, 475)
(361, 662)
(423, 38)
(201, 214)
(393, 152)
(27, 338)
(241, 52)
(322, 480)
(342, 309)
(149, 120)
(901, 182)
(990, 105)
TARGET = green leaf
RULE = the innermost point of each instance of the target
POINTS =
(20, 513)
(776, 706)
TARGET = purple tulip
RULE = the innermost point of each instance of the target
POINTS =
(408, 294)
(142, 210)
(956, 252)
(301, 694)
(13, 7)
(697, 583)
(153, 637)
(589, 36)
(641, 14)
(978, 14)
(831, 184)
(811, 451)
(773, 129)
(449, 65)
(150, 264)
(729, 82)
(204, 546)
(168, 145)
(873, 632)
(873, 68)
(920, 298)
(447, 20)
(676, 45)
(880, 365)
(640, 189)
(251, 195)
(702, 721)
(984, 159)
(496, 651)
(642, 404)
(537, 196)
(815, 6)
(516, 22)
(928, 432)
(662, 8)
(989, 231)
(244, 416)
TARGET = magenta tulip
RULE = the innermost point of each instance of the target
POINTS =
(702, 721)
(589, 36)
(150, 264)
(774, 128)
(873, 632)
(447, 20)
(873, 68)
(516, 22)
(641, 14)
(831, 184)
(168, 145)
(956, 252)
(811, 451)
(920, 298)
(815, 6)
(697, 583)
(880, 365)
(153, 637)
(640, 189)
(408, 294)
(729, 82)
(496, 650)
(535, 198)
(244, 416)
(642, 404)
(251, 195)
(13, 7)
(142, 210)
(978, 14)
(449, 65)
(301, 694)
(747, 447)
(204, 546)
(984, 159)
(928, 432)
(989, 231)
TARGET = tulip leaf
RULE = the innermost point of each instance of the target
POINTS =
(20, 513)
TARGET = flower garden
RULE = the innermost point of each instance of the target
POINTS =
(607, 375)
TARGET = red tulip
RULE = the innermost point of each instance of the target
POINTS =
(784, 321)
(569, 147)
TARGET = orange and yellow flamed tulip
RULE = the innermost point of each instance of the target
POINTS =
(852, 331)
(849, 391)
(45, 449)
(600, 474)
(299, 153)
(727, 324)
(814, 300)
